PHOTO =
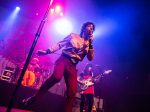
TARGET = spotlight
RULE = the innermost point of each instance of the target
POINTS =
(61, 14)
(57, 9)
(17, 8)
(52, 11)
(63, 26)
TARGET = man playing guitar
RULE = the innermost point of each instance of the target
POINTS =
(87, 95)
(86, 82)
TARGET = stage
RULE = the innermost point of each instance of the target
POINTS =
(49, 103)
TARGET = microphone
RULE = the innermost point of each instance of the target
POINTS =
(90, 42)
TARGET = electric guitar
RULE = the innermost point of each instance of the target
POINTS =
(90, 81)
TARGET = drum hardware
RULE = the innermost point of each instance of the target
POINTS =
(99, 104)
(7, 74)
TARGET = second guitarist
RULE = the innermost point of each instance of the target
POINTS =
(87, 95)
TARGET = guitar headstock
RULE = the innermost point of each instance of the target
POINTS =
(107, 72)
(102, 75)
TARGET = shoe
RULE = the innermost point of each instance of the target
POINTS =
(28, 101)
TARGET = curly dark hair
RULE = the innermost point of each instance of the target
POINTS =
(84, 25)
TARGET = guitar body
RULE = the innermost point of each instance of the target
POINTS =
(88, 82)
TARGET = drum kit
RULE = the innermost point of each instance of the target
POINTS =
(36, 74)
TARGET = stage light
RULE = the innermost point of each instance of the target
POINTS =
(61, 14)
(15, 12)
(57, 9)
(17, 8)
(11, 19)
(37, 14)
(52, 11)
(63, 26)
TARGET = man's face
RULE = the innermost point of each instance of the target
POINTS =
(89, 31)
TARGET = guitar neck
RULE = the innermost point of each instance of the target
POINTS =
(99, 76)
(104, 73)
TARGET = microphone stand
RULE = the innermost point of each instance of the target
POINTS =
(37, 35)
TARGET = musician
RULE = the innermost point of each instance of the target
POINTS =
(31, 74)
(76, 47)
(28, 79)
(87, 94)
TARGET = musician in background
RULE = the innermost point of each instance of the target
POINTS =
(28, 79)
(87, 94)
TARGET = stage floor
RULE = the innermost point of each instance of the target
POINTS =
(3, 109)
(48, 103)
